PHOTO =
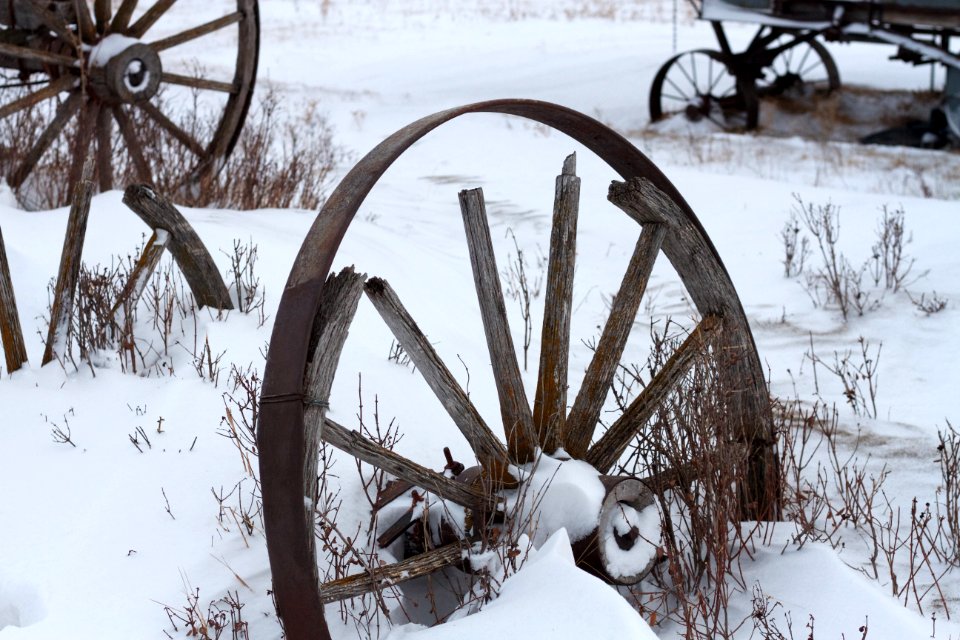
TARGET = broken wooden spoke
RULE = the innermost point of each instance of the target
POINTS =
(485, 445)
(380, 457)
(140, 275)
(56, 87)
(608, 449)
(514, 408)
(585, 413)
(550, 402)
(197, 32)
(379, 578)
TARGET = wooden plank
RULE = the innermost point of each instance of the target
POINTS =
(140, 275)
(380, 578)
(585, 413)
(69, 271)
(514, 407)
(380, 457)
(488, 449)
(608, 449)
(14, 350)
(188, 250)
(550, 402)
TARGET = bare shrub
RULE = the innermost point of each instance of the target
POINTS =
(221, 618)
(949, 460)
(929, 306)
(796, 248)
(858, 374)
(893, 266)
(523, 289)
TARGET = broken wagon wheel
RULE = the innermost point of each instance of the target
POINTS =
(85, 74)
(316, 310)
(703, 85)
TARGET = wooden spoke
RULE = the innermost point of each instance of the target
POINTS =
(104, 148)
(140, 276)
(585, 413)
(121, 19)
(197, 32)
(514, 408)
(198, 83)
(150, 17)
(133, 145)
(66, 111)
(182, 136)
(11, 335)
(101, 11)
(36, 55)
(81, 141)
(550, 403)
(380, 578)
(368, 451)
(88, 30)
(608, 449)
(61, 84)
(484, 443)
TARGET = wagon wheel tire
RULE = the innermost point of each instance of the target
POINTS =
(316, 310)
(703, 85)
(807, 65)
(98, 77)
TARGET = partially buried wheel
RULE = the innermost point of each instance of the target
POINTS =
(317, 309)
(796, 66)
(77, 76)
(702, 85)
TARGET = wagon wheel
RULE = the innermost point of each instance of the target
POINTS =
(86, 76)
(316, 311)
(804, 67)
(701, 84)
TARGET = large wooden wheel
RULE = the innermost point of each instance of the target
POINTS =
(95, 72)
(316, 311)
(797, 66)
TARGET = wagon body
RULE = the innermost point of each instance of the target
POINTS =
(905, 13)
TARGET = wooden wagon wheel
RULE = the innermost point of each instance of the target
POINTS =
(316, 311)
(92, 74)
(702, 85)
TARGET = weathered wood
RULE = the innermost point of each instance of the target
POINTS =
(695, 260)
(121, 19)
(198, 83)
(14, 351)
(81, 142)
(488, 449)
(63, 295)
(550, 402)
(188, 250)
(56, 87)
(84, 21)
(380, 457)
(104, 149)
(133, 144)
(140, 275)
(514, 407)
(585, 413)
(35, 55)
(380, 578)
(197, 32)
(150, 17)
(338, 306)
(171, 127)
(65, 112)
(101, 11)
(603, 455)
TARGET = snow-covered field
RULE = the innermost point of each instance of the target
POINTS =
(96, 538)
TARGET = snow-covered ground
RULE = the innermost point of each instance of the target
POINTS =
(95, 538)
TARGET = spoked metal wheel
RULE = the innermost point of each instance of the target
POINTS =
(798, 67)
(316, 312)
(114, 79)
(701, 85)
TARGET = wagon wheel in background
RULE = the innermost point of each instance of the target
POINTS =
(701, 85)
(801, 66)
(91, 75)
(316, 311)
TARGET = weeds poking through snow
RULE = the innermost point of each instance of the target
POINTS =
(222, 616)
(949, 460)
(244, 282)
(857, 373)
(523, 290)
(929, 306)
(796, 248)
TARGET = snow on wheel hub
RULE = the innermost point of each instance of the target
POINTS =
(133, 75)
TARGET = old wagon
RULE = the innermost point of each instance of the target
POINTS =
(786, 54)
(86, 76)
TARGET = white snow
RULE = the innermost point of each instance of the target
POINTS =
(110, 46)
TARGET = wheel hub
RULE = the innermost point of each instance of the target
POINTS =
(131, 75)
